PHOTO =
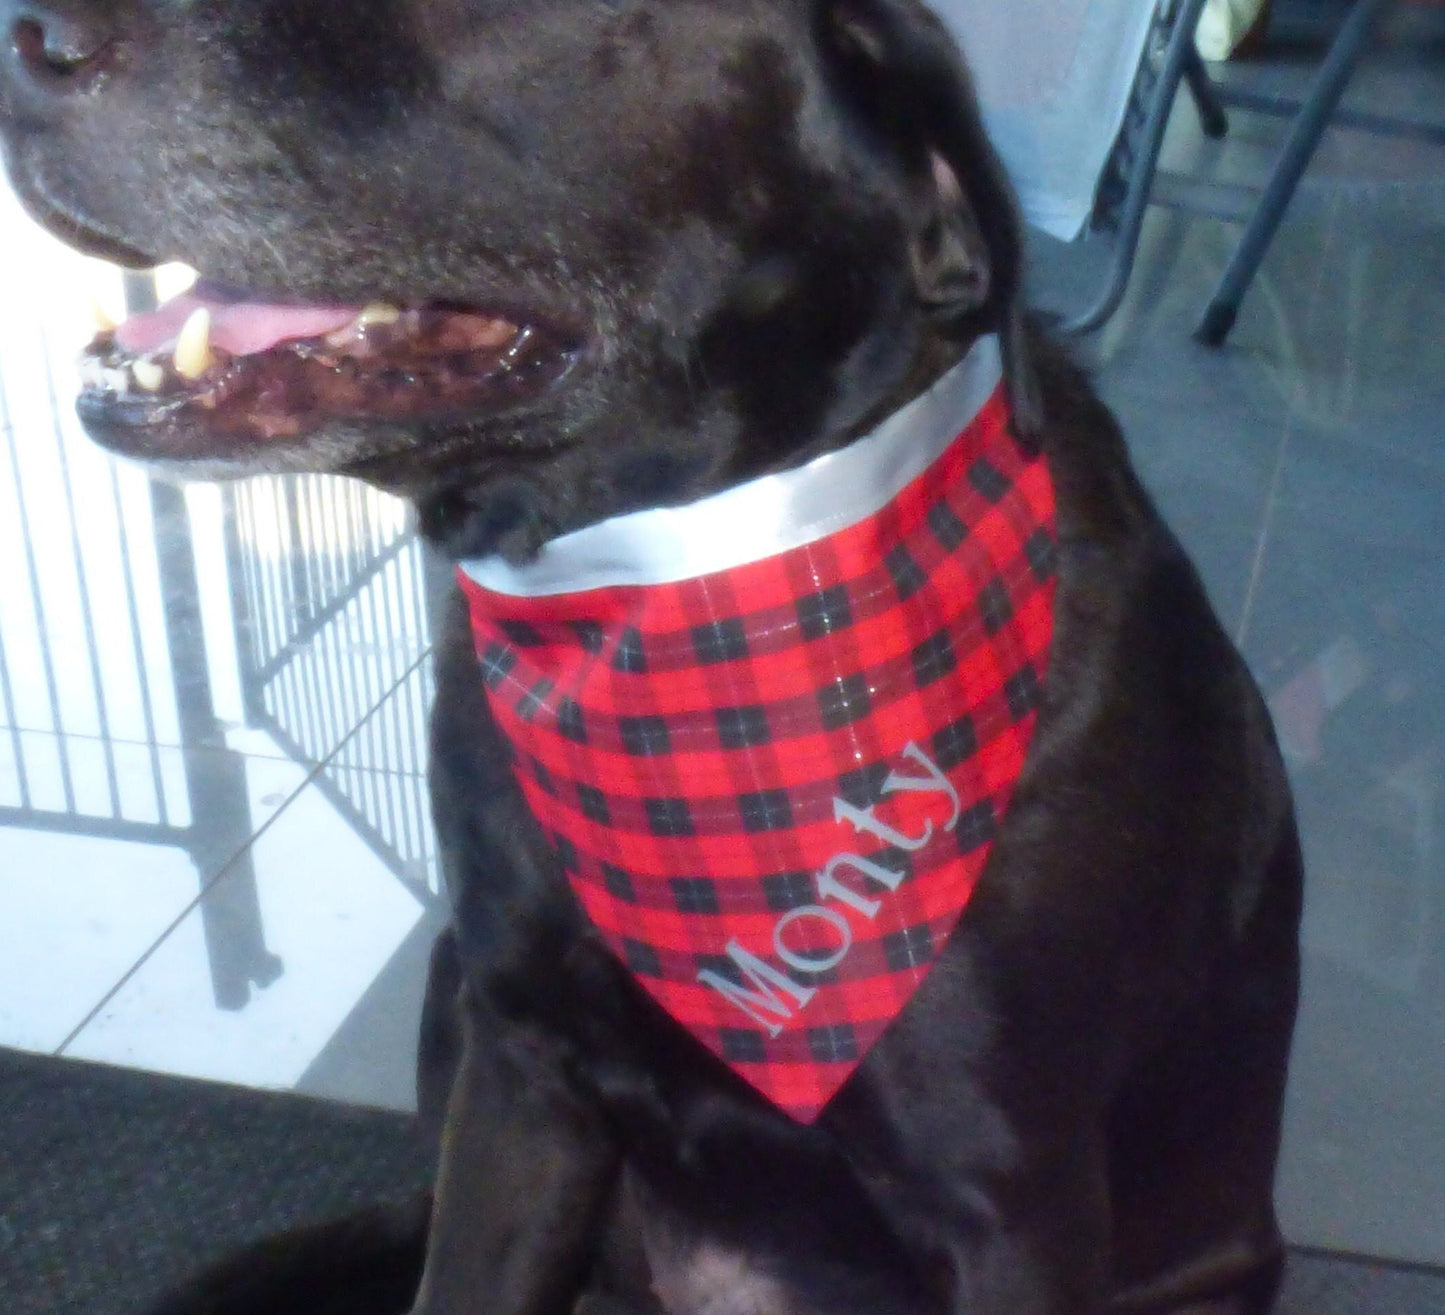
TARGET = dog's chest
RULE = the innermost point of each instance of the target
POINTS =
(773, 786)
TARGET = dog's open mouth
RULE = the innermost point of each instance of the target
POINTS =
(266, 371)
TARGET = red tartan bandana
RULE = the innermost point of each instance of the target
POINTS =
(773, 783)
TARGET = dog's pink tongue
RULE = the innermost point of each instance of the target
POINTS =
(242, 328)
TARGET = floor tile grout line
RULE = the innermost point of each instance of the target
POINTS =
(1264, 536)
(130, 742)
(194, 903)
(278, 755)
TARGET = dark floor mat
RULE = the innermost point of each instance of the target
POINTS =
(113, 1184)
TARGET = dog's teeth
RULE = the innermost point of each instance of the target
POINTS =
(377, 313)
(95, 374)
(193, 346)
(150, 375)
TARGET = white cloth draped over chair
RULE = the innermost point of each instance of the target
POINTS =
(1054, 79)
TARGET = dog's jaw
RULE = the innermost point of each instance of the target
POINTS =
(708, 241)
(215, 374)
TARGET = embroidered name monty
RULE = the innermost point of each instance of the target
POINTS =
(763, 991)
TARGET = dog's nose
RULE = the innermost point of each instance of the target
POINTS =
(54, 48)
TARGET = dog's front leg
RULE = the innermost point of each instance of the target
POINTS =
(1043, 1247)
(526, 1167)
(1032, 1237)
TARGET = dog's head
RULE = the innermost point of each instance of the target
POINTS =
(526, 262)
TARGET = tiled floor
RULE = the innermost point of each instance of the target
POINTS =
(214, 840)
(214, 851)
(1304, 466)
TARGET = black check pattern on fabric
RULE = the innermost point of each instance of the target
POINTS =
(946, 526)
(955, 743)
(844, 701)
(738, 728)
(766, 810)
(644, 736)
(831, 1044)
(720, 641)
(694, 895)
(824, 612)
(571, 722)
(593, 803)
(787, 890)
(933, 659)
(618, 883)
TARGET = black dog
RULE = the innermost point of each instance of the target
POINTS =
(618, 254)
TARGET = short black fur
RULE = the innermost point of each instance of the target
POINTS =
(769, 223)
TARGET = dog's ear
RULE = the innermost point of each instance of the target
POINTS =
(899, 67)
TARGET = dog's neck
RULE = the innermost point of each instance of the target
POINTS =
(763, 516)
(770, 734)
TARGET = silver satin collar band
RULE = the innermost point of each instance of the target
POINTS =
(765, 516)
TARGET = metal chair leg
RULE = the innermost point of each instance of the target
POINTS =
(1212, 118)
(1131, 221)
(1299, 148)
